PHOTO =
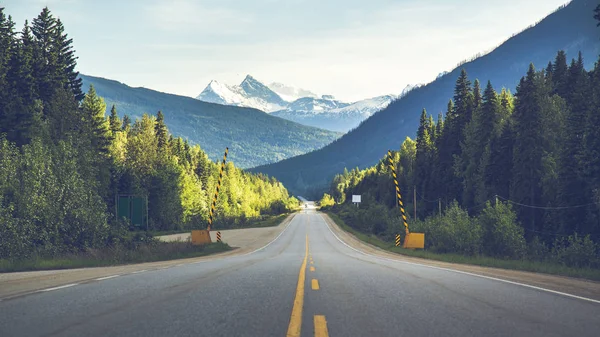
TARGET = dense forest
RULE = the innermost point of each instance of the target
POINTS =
(495, 169)
(62, 161)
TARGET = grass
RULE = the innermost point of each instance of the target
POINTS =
(266, 221)
(484, 261)
(111, 256)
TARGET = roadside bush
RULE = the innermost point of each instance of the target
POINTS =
(537, 250)
(326, 201)
(576, 251)
(457, 233)
(502, 235)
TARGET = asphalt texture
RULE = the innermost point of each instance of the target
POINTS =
(254, 294)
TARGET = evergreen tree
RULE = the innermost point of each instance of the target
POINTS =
(528, 150)
(161, 130)
(94, 110)
(560, 74)
(7, 47)
(46, 61)
(113, 119)
(126, 123)
(67, 61)
(477, 136)
(591, 152)
(571, 171)
(425, 150)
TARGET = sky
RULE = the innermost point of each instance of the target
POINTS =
(352, 49)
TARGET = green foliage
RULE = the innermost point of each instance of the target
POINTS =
(326, 201)
(502, 235)
(576, 251)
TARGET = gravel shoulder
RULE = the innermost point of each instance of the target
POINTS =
(578, 287)
(242, 240)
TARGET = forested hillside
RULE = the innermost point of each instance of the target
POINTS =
(571, 28)
(254, 137)
(62, 161)
(526, 166)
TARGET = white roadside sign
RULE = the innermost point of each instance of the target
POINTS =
(356, 198)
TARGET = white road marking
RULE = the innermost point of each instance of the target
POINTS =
(106, 277)
(139, 271)
(464, 272)
(59, 287)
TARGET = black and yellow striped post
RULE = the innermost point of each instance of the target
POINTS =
(214, 203)
(393, 168)
(218, 236)
(397, 240)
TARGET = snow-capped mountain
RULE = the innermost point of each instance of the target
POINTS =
(366, 107)
(250, 93)
(299, 105)
(289, 93)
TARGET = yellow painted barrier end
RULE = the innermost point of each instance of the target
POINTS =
(414, 240)
(201, 237)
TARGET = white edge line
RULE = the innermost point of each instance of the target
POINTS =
(106, 277)
(463, 272)
(139, 271)
(59, 287)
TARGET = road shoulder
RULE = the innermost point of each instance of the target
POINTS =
(577, 287)
(243, 241)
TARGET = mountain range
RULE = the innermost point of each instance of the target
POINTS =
(253, 137)
(571, 28)
(295, 104)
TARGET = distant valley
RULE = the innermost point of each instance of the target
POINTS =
(253, 137)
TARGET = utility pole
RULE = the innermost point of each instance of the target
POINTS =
(440, 207)
(415, 200)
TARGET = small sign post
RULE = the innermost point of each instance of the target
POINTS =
(356, 199)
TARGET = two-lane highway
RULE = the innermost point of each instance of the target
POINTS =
(305, 283)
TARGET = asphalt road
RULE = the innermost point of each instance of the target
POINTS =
(343, 293)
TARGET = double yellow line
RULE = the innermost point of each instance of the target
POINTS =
(296, 319)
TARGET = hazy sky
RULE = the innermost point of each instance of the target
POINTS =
(352, 49)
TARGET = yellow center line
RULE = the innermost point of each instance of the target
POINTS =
(321, 326)
(312, 268)
(315, 284)
(296, 318)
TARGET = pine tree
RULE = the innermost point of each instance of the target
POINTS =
(46, 61)
(94, 110)
(161, 130)
(126, 123)
(113, 119)
(424, 156)
(560, 74)
(67, 61)
(572, 185)
(528, 149)
(477, 136)
(591, 151)
(21, 107)
(7, 50)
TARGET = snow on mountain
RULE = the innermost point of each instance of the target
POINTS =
(290, 93)
(310, 105)
(299, 105)
(366, 107)
(250, 93)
